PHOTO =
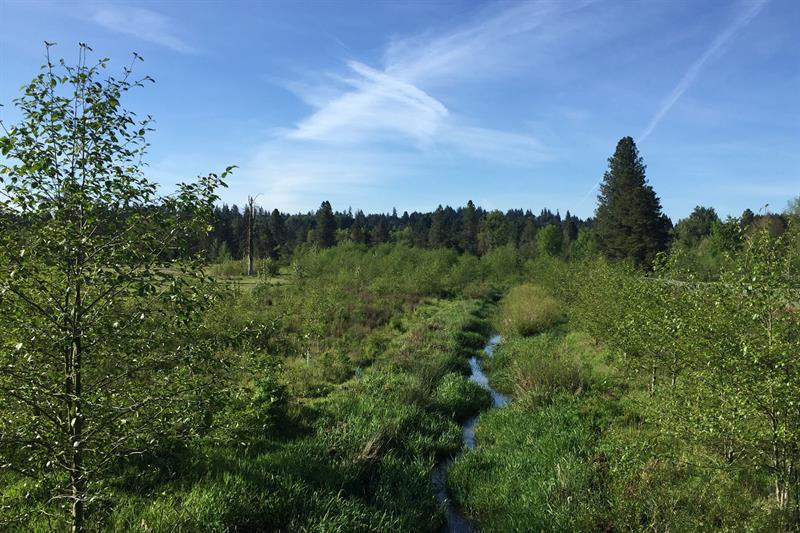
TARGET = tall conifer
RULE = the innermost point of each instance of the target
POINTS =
(630, 224)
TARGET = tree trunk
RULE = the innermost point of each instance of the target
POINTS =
(75, 420)
(250, 252)
(653, 380)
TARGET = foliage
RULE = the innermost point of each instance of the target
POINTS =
(460, 398)
(98, 288)
(549, 240)
(325, 230)
(689, 231)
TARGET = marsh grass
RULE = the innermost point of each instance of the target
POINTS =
(527, 310)
(361, 452)
(578, 448)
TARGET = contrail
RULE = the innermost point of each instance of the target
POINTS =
(696, 67)
(692, 73)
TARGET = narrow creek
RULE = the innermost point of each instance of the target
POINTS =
(456, 521)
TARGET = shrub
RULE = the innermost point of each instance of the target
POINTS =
(527, 310)
(543, 364)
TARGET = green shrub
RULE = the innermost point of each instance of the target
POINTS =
(229, 268)
(527, 310)
(545, 364)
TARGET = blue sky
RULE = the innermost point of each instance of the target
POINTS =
(377, 105)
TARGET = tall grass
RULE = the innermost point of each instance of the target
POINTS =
(356, 456)
(528, 309)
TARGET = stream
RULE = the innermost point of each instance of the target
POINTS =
(456, 521)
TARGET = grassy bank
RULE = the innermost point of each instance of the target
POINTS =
(357, 457)
(584, 446)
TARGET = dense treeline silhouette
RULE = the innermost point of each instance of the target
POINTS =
(468, 229)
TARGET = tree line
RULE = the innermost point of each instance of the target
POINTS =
(467, 229)
(628, 224)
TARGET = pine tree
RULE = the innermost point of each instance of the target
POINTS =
(629, 223)
(357, 230)
(469, 231)
(570, 229)
(437, 236)
(278, 228)
(528, 235)
(325, 232)
(380, 233)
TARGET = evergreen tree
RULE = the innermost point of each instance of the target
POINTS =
(277, 227)
(570, 229)
(699, 224)
(358, 229)
(437, 235)
(380, 233)
(469, 230)
(629, 222)
(528, 235)
(325, 232)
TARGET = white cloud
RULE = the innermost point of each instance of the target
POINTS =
(370, 125)
(477, 48)
(749, 13)
(294, 177)
(144, 24)
(366, 105)
(379, 104)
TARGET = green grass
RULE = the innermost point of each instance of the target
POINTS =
(531, 470)
(583, 447)
(460, 398)
(363, 450)
(527, 310)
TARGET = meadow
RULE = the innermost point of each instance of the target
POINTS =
(151, 383)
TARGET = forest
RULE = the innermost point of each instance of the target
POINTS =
(173, 363)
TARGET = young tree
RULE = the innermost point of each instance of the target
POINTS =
(98, 288)
(629, 222)
(325, 232)
(745, 363)
(549, 240)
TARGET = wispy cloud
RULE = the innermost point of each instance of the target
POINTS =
(378, 103)
(144, 24)
(370, 123)
(477, 48)
(749, 13)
